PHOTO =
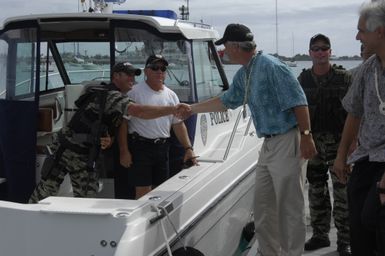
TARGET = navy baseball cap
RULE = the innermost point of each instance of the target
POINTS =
(127, 68)
(152, 59)
(319, 37)
(236, 33)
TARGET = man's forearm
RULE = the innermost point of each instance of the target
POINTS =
(303, 118)
(150, 112)
(181, 133)
(211, 105)
(349, 134)
(122, 137)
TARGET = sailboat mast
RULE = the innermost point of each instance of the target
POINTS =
(276, 27)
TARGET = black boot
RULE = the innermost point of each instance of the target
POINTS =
(315, 243)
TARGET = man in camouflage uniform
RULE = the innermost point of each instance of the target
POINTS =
(324, 86)
(72, 146)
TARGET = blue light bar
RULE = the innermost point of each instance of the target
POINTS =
(158, 13)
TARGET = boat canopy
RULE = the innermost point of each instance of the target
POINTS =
(189, 30)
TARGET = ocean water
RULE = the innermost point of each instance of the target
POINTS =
(349, 64)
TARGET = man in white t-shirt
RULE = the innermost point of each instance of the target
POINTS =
(148, 140)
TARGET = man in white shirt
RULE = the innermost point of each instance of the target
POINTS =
(148, 140)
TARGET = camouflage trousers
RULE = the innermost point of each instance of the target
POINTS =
(84, 183)
(319, 196)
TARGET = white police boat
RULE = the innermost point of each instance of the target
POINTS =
(205, 207)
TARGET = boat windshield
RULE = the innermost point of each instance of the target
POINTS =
(60, 58)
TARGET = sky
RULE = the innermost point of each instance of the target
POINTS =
(298, 20)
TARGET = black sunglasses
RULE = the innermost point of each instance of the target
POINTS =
(156, 68)
(319, 48)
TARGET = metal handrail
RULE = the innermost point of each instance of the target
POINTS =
(233, 133)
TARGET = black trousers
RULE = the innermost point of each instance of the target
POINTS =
(365, 208)
(123, 180)
(150, 165)
(381, 232)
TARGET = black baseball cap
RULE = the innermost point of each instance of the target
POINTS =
(127, 68)
(152, 59)
(319, 37)
(236, 33)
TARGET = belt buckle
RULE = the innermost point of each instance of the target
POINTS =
(157, 141)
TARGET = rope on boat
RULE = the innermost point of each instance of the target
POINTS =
(163, 230)
(182, 251)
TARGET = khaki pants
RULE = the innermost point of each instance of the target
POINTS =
(279, 204)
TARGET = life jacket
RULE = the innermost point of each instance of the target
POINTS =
(324, 99)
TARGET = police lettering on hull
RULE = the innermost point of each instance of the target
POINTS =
(219, 117)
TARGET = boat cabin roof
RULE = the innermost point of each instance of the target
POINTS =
(69, 22)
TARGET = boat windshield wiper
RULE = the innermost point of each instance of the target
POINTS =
(181, 83)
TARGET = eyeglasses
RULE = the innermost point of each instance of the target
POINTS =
(319, 48)
(156, 68)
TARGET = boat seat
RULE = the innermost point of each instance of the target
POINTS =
(72, 93)
(45, 121)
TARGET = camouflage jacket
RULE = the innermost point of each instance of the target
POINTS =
(324, 95)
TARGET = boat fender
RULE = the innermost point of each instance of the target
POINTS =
(248, 231)
(187, 251)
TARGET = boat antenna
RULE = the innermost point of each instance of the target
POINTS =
(185, 11)
(100, 6)
(84, 6)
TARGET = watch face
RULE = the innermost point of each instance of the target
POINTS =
(306, 132)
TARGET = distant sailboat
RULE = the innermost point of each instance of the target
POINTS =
(292, 62)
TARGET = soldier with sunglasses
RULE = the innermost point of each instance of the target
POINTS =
(325, 85)
(148, 140)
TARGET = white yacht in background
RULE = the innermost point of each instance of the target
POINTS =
(205, 207)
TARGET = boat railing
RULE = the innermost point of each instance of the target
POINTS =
(194, 24)
(240, 114)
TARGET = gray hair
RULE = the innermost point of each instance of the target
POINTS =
(374, 14)
(247, 46)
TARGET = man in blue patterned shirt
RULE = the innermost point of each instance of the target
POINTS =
(279, 110)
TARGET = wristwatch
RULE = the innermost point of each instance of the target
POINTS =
(305, 132)
(189, 147)
(379, 189)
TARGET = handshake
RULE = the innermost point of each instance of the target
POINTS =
(183, 111)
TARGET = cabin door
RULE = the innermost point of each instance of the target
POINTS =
(18, 112)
